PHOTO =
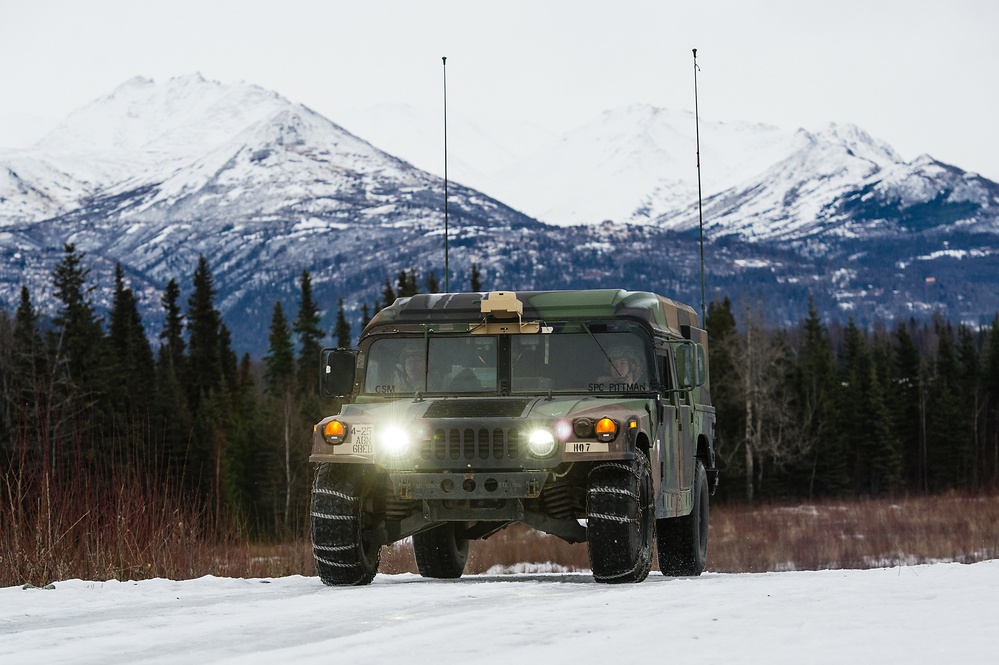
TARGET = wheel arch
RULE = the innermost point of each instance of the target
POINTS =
(705, 451)
(643, 443)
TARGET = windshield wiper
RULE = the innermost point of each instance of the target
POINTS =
(597, 342)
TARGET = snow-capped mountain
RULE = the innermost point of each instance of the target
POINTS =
(841, 182)
(638, 164)
(154, 174)
(634, 164)
(192, 148)
(476, 152)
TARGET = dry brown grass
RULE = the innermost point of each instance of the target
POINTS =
(857, 533)
(125, 527)
(861, 533)
(112, 525)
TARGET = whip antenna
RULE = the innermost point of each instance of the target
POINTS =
(700, 214)
(447, 267)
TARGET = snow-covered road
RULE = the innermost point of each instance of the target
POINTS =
(915, 614)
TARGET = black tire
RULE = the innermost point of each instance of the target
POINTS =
(440, 553)
(620, 520)
(343, 556)
(682, 542)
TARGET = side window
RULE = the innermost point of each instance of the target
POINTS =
(665, 368)
(667, 374)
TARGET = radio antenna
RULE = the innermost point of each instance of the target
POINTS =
(447, 267)
(700, 213)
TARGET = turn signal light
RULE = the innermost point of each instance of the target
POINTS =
(334, 431)
(605, 429)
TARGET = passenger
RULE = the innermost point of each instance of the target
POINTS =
(628, 372)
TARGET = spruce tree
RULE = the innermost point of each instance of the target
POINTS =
(227, 355)
(8, 385)
(406, 284)
(475, 282)
(251, 459)
(280, 358)
(204, 344)
(207, 387)
(341, 331)
(990, 380)
(947, 430)
(171, 405)
(172, 335)
(388, 295)
(969, 376)
(854, 372)
(279, 376)
(310, 335)
(884, 458)
(130, 358)
(26, 339)
(723, 344)
(77, 336)
(29, 390)
(829, 472)
(907, 405)
(433, 286)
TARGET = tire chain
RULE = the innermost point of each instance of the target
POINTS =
(616, 501)
(336, 528)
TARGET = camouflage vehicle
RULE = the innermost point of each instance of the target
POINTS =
(584, 414)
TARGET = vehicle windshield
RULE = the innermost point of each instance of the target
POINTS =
(466, 364)
(574, 359)
(579, 362)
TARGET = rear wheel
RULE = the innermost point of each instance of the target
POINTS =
(440, 552)
(682, 542)
(620, 519)
(344, 556)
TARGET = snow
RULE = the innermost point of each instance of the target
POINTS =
(229, 150)
(911, 614)
(190, 147)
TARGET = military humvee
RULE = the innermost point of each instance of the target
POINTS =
(584, 414)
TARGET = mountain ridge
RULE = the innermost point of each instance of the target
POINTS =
(154, 174)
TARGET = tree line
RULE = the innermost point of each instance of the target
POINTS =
(820, 410)
(807, 411)
(84, 395)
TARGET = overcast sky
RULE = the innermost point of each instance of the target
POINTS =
(920, 74)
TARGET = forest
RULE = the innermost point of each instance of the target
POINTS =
(96, 419)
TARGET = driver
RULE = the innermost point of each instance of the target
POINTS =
(411, 373)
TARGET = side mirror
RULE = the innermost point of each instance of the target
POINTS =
(691, 367)
(336, 372)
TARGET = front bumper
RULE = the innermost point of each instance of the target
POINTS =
(480, 485)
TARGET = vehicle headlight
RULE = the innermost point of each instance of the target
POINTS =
(541, 443)
(395, 440)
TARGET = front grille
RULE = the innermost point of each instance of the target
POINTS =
(477, 408)
(474, 445)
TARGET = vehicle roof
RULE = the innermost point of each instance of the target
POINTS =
(654, 310)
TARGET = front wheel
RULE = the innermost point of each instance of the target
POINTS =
(440, 553)
(620, 518)
(344, 555)
(682, 542)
